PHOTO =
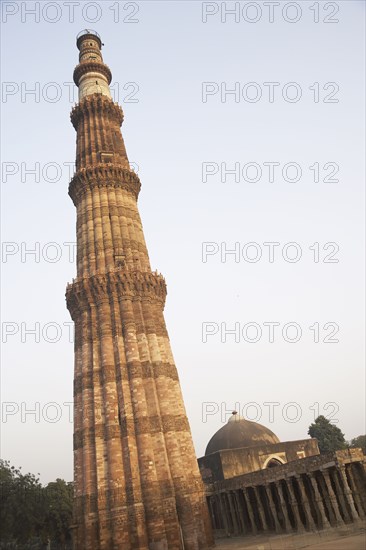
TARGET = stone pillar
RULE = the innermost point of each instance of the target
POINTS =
(341, 495)
(359, 475)
(326, 499)
(211, 510)
(332, 496)
(322, 517)
(233, 512)
(348, 493)
(250, 511)
(273, 509)
(240, 509)
(306, 505)
(223, 512)
(288, 526)
(295, 507)
(218, 508)
(355, 492)
(260, 509)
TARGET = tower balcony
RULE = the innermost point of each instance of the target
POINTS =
(88, 34)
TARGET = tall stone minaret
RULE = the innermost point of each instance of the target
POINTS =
(137, 483)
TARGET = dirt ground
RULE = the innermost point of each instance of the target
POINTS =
(331, 540)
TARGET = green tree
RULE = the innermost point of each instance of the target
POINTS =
(58, 499)
(329, 436)
(32, 515)
(359, 441)
(21, 504)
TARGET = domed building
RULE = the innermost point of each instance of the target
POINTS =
(243, 446)
(238, 433)
(257, 484)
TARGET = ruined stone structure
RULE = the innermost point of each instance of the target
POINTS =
(137, 482)
(254, 486)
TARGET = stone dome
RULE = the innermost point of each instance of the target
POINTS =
(238, 433)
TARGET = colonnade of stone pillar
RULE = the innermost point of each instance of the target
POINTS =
(323, 499)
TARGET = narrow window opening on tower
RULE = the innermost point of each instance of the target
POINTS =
(106, 156)
(119, 260)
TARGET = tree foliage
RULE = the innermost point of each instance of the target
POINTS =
(59, 510)
(32, 515)
(359, 441)
(330, 438)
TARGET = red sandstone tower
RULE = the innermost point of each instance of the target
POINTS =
(137, 483)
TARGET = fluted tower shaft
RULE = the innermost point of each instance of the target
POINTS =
(137, 483)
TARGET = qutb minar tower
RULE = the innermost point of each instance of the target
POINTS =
(137, 483)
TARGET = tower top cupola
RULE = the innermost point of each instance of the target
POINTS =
(92, 75)
(88, 34)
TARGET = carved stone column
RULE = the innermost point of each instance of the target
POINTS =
(223, 512)
(326, 500)
(332, 497)
(273, 509)
(355, 492)
(240, 509)
(341, 495)
(221, 521)
(306, 505)
(233, 512)
(322, 516)
(288, 526)
(348, 493)
(250, 511)
(260, 509)
(211, 510)
(295, 507)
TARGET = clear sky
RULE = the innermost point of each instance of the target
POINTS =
(293, 132)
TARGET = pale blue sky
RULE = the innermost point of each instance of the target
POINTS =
(169, 132)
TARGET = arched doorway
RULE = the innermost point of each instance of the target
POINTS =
(273, 462)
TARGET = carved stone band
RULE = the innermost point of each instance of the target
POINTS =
(92, 67)
(83, 293)
(103, 176)
(96, 103)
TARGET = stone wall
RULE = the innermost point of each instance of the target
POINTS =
(230, 463)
